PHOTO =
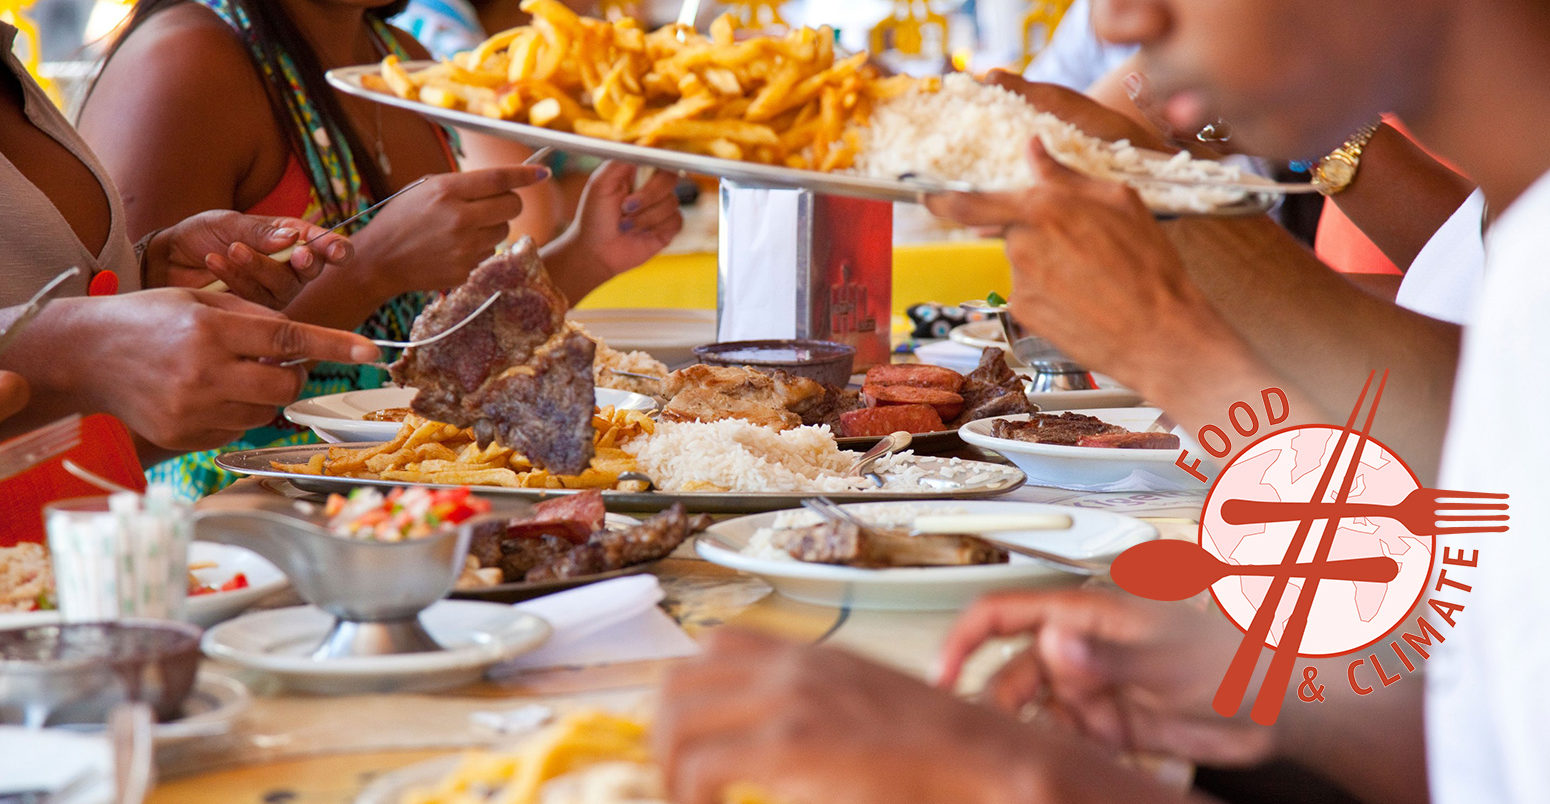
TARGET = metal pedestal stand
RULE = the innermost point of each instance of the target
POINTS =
(798, 264)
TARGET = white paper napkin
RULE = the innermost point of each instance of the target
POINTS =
(602, 623)
(48, 759)
(949, 354)
(757, 263)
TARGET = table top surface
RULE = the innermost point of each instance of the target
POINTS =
(294, 747)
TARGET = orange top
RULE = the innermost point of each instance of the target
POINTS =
(291, 197)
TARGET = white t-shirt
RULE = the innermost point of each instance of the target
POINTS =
(1445, 276)
(1487, 707)
(1076, 57)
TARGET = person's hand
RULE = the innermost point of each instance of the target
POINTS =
(616, 228)
(232, 247)
(13, 394)
(1094, 273)
(187, 370)
(1128, 672)
(806, 724)
(431, 237)
(1092, 117)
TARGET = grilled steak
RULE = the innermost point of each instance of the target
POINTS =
(574, 518)
(652, 539)
(516, 374)
(1065, 429)
(992, 389)
(1131, 441)
(844, 543)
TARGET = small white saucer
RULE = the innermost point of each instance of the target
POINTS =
(475, 634)
(211, 709)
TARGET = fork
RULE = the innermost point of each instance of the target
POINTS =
(825, 507)
(423, 341)
(35, 305)
(1422, 512)
(26, 451)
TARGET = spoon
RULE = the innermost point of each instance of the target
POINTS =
(1169, 569)
(891, 443)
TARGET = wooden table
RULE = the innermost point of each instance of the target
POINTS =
(301, 748)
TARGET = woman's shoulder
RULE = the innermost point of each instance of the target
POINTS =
(188, 44)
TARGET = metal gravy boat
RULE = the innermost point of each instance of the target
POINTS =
(375, 590)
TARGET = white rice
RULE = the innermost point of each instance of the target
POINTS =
(979, 134)
(902, 515)
(734, 455)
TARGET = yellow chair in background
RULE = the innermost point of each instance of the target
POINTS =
(1044, 16)
(944, 272)
(14, 12)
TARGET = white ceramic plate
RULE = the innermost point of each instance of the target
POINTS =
(1092, 468)
(264, 579)
(337, 417)
(392, 787)
(978, 334)
(204, 611)
(1093, 534)
(668, 334)
(476, 635)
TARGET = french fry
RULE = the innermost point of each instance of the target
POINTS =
(784, 100)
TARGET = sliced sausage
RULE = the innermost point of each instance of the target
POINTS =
(885, 420)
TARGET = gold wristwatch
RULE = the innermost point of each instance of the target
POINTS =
(1336, 171)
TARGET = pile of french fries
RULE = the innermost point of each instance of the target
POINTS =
(775, 100)
(424, 451)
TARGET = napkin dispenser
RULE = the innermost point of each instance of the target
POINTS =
(798, 264)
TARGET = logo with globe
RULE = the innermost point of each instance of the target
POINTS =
(1315, 541)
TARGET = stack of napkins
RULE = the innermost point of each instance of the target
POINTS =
(49, 759)
(611, 622)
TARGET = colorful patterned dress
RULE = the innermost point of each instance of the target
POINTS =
(327, 162)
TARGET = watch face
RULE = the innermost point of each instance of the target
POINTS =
(1337, 172)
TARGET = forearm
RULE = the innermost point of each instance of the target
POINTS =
(1401, 196)
(1324, 335)
(52, 353)
(1373, 745)
(574, 270)
(344, 297)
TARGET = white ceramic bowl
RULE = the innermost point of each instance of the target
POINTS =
(264, 579)
(1093, 468)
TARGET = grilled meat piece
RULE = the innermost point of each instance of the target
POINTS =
(1131, 441)
(712, 393)
(652, 539)
(574, 518)
(844, 543)
(992, 389)
(885, 420)
(829, 407)
(517, 374)
(705, 405)
(1066, 429)
(920, 375)
(946, 403)
(519, 556)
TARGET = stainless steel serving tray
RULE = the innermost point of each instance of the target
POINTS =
(256, 462)
(348, 80)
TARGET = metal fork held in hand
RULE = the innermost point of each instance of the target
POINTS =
(422, 341)
(26, 451)
(1423, 512)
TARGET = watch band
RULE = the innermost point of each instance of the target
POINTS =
(1337, 170)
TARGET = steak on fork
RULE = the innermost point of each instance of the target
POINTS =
(517, 374)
